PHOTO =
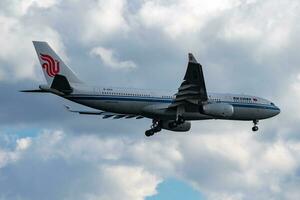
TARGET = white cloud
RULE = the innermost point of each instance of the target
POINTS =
(188, 22)
(8, 156)
(130, 182)
(108, 58)
(24, 5)
(54, 165)
(20, 8)
(17, 56)
(104, 19)
(177, 18)
(23, 143)
(5, 157)
(228, 166)
(262, 23)
(237, 166)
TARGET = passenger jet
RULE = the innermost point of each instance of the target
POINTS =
(168, 111)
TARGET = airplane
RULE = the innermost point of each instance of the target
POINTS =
(168, 111)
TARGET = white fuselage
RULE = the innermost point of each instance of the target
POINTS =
(154, 104)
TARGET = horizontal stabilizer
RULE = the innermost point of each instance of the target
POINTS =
(35, 91)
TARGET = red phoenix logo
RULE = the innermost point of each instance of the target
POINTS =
(51, 66)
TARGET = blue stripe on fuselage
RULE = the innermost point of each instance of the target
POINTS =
(161, 100)
(123, 98)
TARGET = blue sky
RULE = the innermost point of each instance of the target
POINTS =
(244, 46)
(176, 190)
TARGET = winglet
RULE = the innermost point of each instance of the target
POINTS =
(192, 59)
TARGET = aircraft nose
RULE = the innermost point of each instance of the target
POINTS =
(277, 111)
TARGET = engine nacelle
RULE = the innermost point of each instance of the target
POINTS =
(186, 126)
(218, 109)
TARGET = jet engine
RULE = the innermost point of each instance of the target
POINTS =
(168, 125)
(218, 110)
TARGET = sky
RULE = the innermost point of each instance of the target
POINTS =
(244, 46)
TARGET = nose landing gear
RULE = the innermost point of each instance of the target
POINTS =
(155, 127)
(255, 127)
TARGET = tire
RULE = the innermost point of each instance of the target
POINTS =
(149, 133)
(254, 128)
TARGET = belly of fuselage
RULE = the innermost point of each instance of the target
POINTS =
(251, 113)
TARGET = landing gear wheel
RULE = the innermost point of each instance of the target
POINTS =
(155, 127)
(149, 133)
(255, 128)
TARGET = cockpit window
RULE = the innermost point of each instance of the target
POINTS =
(272, 104)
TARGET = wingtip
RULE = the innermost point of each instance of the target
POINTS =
(192, 59)
(38, 42)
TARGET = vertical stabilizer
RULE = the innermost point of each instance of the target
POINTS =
(52, 64)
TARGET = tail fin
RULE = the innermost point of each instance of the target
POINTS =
(52, 64)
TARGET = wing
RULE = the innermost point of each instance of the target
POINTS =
(105, 115)
(192, 90)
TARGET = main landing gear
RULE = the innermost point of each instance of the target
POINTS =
(255, 127)
(155, 127)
